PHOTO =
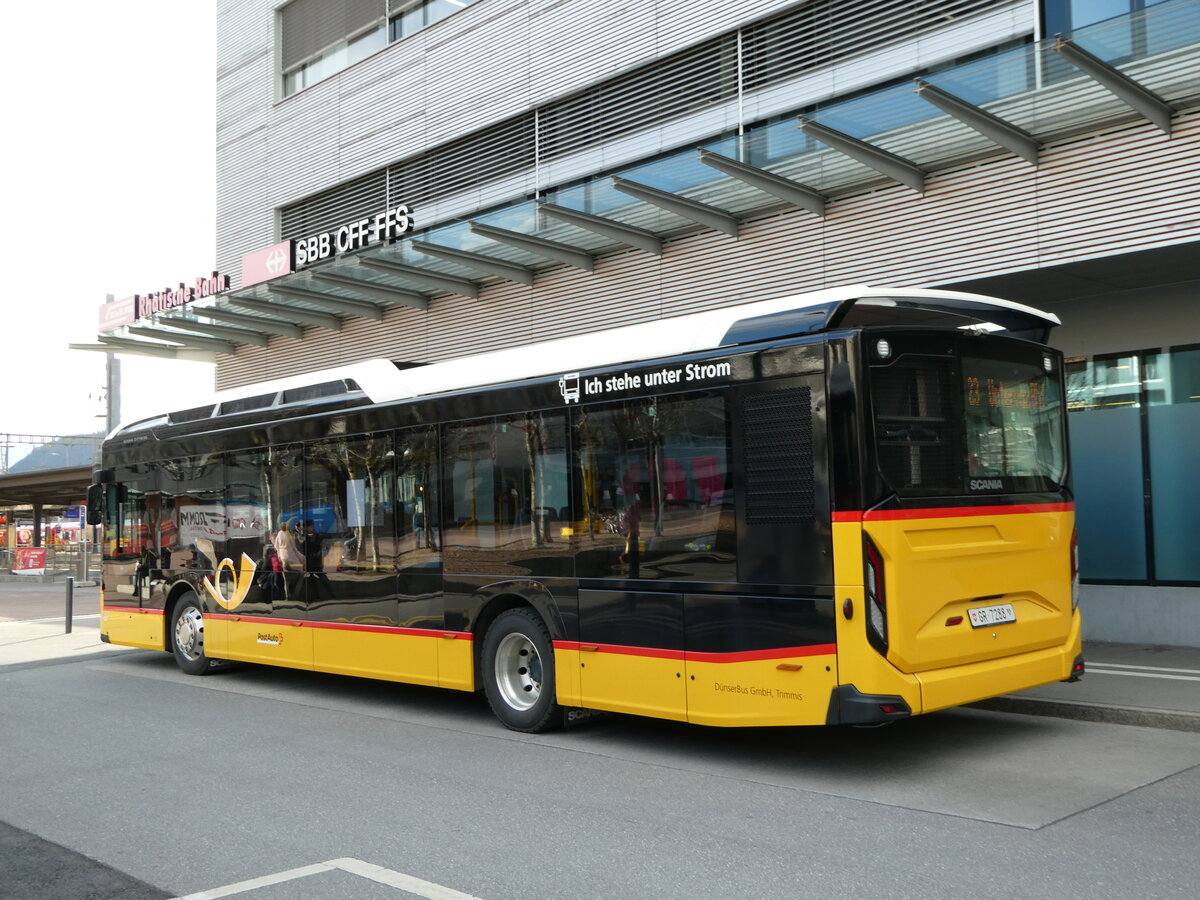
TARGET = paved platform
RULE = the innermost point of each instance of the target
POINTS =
(1127, 684)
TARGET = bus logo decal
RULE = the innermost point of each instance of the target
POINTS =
(569, 385)
(241, 583)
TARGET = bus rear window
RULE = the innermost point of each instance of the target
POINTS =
(968, 425)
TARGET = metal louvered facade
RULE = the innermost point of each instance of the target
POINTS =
(309, 26)
(718, 70)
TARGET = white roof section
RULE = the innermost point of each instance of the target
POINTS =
(382, 381)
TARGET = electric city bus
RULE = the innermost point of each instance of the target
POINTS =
(846, 507)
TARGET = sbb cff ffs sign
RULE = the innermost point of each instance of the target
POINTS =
(381, 228)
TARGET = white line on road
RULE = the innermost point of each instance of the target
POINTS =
(59, 619)
(351, 866)
(1109, 665)
(1130, 672)
(254, 884)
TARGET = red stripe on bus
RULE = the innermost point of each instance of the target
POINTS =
(750, 655)
(696, 656)
(394, 629)
(340, 626)
(950, 512)
(108, 607)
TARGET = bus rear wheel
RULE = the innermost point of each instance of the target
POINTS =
(187, 635)
(518, 672)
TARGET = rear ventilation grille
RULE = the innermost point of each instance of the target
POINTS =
(777, 435)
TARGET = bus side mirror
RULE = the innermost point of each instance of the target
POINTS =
(95, 504)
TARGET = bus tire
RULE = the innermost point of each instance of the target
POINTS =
(187, 635)
(518, 672)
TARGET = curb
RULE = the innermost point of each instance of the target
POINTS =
(1170, 719)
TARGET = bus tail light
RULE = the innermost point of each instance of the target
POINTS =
(876, 596)
(1074, 569)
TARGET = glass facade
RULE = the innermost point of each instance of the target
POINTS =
(1135, 430)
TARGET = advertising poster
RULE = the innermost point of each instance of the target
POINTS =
(29, 561)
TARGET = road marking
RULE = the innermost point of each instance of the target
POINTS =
(1109, 665)
(1142, 672)
(254, 884)
(348, 864)
(59, 619)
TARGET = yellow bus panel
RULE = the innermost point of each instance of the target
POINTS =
(791, 690)
(133, 627)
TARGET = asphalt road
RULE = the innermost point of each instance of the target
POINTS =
(122, 777)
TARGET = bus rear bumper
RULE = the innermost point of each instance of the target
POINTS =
(849, 706)
(956, 685)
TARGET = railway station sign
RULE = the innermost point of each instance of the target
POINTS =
(129, 309)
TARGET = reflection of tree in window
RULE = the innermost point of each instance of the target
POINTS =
(350, 494)
(654, 489)
(508, 489)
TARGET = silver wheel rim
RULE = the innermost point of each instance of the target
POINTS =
(189, 634)
(518, 671)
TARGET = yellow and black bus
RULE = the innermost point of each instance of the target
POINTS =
(849, 506)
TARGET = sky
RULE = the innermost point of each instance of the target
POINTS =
(109, 188)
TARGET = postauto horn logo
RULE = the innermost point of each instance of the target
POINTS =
(241, 583)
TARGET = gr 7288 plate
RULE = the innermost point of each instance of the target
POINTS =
(983, 616)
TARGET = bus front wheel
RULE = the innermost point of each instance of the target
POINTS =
(187, 636)
(518, 672)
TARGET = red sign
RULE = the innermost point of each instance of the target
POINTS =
(29, 561)
(118, 313)
(123, 312)
(267, 263)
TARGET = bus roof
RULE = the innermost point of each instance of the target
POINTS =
(382, 380)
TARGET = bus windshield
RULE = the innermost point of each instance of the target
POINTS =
(968, 425)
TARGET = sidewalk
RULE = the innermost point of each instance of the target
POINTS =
(33, 624)
(1125, 684)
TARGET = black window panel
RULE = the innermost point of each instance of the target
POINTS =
(720, 623)
(418, 531)
(315, 392)
(248, 513)
(632, 619)
(191, 525)
(125, 530)
(284, 478)
(191, 415)
(918, 432)
(507, 496)
(347, 535)
(247, 404)
(655, 490)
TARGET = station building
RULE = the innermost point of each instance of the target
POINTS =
(424, 180)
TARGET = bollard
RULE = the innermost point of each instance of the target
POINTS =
(70, 602)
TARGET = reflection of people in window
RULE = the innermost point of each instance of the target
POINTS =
(631, 527)
(146, 562)
(287, 547)
(314, 558)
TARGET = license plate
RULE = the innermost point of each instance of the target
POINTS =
(982, 616)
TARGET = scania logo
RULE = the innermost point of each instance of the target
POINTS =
(987, 484)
